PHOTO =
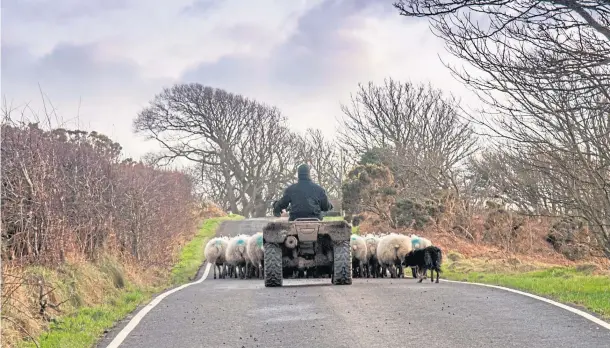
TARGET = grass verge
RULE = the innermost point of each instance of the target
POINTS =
(570, 285)
(116, 295)
(83, 328)
(191, 256)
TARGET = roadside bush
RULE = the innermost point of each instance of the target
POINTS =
(411, 213)
(68, 193)
(68, 198)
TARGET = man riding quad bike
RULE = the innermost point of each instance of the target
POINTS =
(305, 198)
(305, 243)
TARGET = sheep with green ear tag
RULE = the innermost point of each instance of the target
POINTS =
(391, 252)
(256, 253)
(236, 255)
(374, 269)
(215, 254)
(360, 259)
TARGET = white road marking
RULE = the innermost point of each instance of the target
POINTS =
(136, 319)
(539, 298)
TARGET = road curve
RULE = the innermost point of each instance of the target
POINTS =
(369, 313)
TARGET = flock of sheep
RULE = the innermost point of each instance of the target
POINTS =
(376, 255)
(373, 255)
(241, 256)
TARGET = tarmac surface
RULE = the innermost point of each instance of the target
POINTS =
(369, 313)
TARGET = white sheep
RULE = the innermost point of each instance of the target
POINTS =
(371, 243)
(236, 254)
(391, 252)
(249, 268)
(256, 252)
(215, 254)
(418, 242)
(359, 254)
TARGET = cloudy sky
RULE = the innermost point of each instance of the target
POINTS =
(103, 60)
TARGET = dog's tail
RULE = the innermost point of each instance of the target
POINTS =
(438, 258)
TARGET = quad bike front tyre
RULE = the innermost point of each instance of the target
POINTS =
(273, 265)
(342, 263)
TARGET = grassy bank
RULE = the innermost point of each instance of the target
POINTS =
(103, 293)
(91, 297)
(578, 285)
(84, 327)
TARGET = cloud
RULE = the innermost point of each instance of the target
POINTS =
(80, 87)
(71, 70)
(335, 46)
(105, 59)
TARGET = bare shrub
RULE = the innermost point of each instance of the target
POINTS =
(66, 198)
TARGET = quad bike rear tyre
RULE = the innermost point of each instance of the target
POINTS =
(342, 263)
(273, 265)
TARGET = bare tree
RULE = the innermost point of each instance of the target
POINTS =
(279, 171)
(239, 144)
(328, 161)
(515, 183)
(415, 128)
(244, 154)
(543, 68)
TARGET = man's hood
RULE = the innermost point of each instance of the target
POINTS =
(303, 172)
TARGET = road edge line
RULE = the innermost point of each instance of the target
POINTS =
(573, 310)
(122, 335)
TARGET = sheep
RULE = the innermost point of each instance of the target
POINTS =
(391, 252)
(249, 267)
(420, 242)
(371, 242)
(226, 264)
(359, 254)
(429, 258)
(256, 252)
(236, 255)
(215, 254)
(383, 270)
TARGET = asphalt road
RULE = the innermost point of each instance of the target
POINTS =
(369, 313)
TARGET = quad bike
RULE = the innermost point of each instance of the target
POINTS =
(307, 244)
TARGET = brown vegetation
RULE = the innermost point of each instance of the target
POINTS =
(69, 202)
(499, 236)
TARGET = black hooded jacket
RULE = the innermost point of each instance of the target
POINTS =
(306, 199)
